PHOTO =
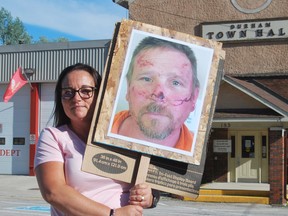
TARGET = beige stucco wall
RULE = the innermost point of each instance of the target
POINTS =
(248, 58)
(230, 97)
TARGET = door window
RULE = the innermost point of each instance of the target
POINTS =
(248, 147)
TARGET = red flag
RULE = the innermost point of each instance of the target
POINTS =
(17, 81)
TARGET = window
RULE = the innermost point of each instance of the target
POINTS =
(248, 147)
(18, 141)
(264, 147)
(2, 140)
(232, 146)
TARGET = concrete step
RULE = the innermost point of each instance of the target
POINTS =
(234, 192)
(231, 196)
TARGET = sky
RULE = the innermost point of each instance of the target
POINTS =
(76, 20)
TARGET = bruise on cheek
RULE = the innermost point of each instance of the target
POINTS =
(142, 62)
(139, 92)
(174, 97)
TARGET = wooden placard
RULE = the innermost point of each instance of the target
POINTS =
(158, 160)
(207, 54)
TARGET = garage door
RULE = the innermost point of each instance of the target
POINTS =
(46, 104)
(14, 132)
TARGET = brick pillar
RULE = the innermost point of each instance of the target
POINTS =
(276, 166)
(216, 165)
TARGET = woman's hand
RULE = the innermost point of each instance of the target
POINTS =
(130, 210)
(141, 194)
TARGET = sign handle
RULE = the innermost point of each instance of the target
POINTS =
(143, 169)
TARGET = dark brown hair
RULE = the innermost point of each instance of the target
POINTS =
(60, 118)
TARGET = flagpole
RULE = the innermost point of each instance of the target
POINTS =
(27, 78)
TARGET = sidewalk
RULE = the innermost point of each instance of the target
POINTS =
(20, 187)
(20, 195)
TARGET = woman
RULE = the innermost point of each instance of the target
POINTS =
(60, 151)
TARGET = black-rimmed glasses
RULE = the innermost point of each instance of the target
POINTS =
(84, 92)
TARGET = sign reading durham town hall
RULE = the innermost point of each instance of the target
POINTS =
(248, 30)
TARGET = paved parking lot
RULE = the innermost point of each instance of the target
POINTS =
(20, 196)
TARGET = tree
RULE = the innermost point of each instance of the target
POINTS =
(61, 39)
(43, 39)
(12, 31)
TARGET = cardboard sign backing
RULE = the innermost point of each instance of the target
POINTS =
(131, 160)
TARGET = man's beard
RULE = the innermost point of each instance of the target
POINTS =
(150, 130)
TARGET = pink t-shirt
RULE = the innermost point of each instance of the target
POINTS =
(63, 145)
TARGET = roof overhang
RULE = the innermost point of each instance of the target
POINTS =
(123, 3)
(260, 95)
(251, 119)
(248, 115)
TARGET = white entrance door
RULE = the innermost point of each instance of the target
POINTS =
(247, 157)
(248, 161)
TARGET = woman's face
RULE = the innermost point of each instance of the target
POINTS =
(79, 109)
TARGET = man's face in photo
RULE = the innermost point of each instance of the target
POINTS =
(160, 93)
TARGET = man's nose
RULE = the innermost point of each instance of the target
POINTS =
(158, 92)
(159, 95)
